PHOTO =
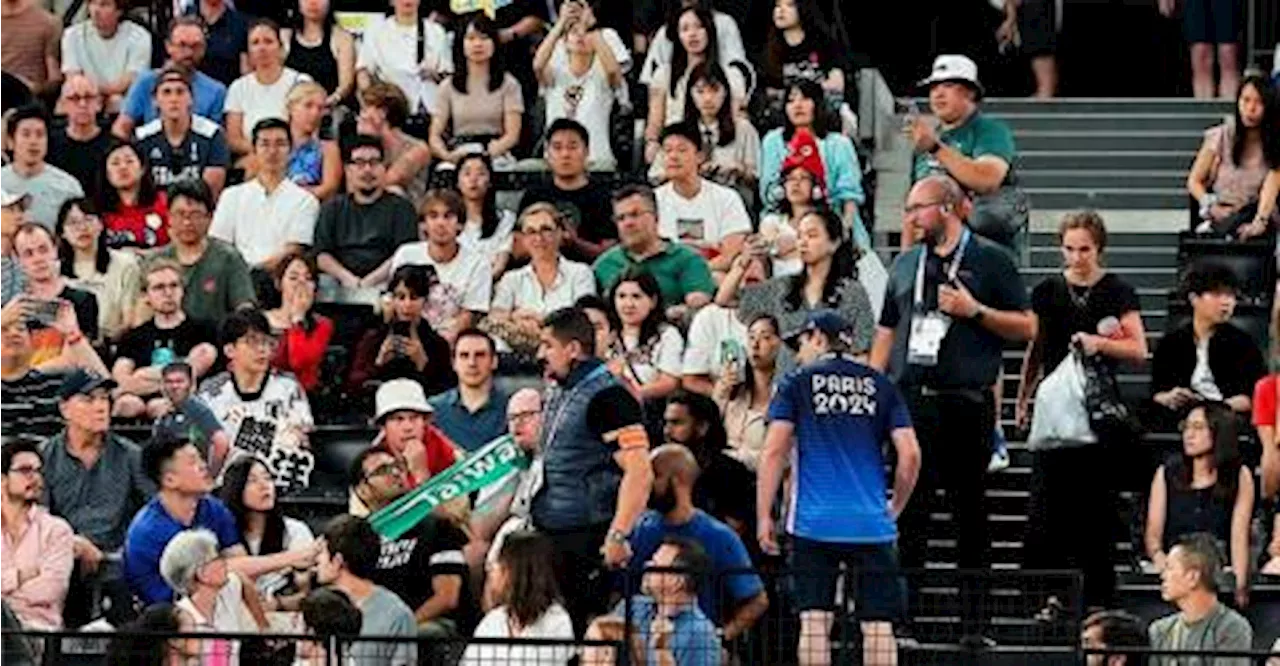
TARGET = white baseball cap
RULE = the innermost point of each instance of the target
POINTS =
(953, 67)
(399, 395)
(8, 198)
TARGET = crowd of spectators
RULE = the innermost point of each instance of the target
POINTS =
(277, 223)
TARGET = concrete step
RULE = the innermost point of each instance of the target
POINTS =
(1117, 122)
(1105, 105)
(1101, 179)
(1128, 160)
(1112, 198)
(1103, 141)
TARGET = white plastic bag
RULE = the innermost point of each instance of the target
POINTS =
(1060, 415)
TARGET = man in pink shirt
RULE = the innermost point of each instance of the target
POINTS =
(35, 545)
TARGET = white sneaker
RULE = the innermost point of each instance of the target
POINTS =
(999, 456)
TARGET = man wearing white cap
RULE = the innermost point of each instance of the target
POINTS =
(13, 211)
(403, 416)
(974, 149)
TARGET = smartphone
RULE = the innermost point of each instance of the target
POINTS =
(400, 328)
(906, 106)
(42, 313)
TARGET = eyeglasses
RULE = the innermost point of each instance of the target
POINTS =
(540, 231)
(916, 208)
(518, 417)
(26, 470)
(261, 341)
(371, 162)
(387, 469)
(80, 222)
(188, 215)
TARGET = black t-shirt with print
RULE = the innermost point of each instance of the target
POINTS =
(1065, 310)
(432, 548)
(810, 60)
(149, 345)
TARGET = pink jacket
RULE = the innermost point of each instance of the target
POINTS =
(46, 546)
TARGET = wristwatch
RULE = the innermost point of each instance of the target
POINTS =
(933, 150)
(980, 314)
(615, 536)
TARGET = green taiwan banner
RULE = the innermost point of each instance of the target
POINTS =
(486, 465)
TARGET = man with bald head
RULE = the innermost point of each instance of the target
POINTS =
(734, 597)
(506, 508)
(80, 146)
(952, 302)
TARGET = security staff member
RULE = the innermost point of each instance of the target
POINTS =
(951, 303)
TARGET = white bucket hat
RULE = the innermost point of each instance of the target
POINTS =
(399, 395)
(954, 68)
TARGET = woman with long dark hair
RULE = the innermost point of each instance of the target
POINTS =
(133, 210)
(1235, 163)
(526, 601)
(487, 229)
(320, 48)
(648, 353)
(405, 346)
(730, 140)
(805, 109)
(1204, 488)
(744, 390)
(828, 279)
(696, 43)
(249, 491)
(800, 46)
(110, 275)
(1087, 306)
(481, 105)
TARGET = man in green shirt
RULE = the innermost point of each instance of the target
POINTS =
(215, 277)
(967, 145)
(682, 274)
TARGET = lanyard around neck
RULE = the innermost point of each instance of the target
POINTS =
(951, 273)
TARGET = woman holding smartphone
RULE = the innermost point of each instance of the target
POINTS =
(405, 346)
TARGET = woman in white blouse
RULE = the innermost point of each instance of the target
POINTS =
(547, 283)
(408, 51)
(263, 92)
(744, 390)
(521, 586)
(649, 352)
(211, 597)
(487, 229)
(110, 275)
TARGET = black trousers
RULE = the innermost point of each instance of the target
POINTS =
(954, 430)
(1072, 519)
(584, 581)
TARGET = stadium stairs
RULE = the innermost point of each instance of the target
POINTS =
(1127, 159)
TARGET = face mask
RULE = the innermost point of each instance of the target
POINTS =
(662, 502)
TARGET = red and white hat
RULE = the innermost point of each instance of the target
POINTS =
(802, 153)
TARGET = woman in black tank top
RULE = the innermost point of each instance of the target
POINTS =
(321, 49)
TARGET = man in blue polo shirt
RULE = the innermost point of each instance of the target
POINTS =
(839, 412)
(184, 503)
(185, 45)
(474, 413)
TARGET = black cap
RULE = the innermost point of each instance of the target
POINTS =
(828, 321)
(83, 382)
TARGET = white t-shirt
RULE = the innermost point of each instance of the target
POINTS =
(647, 360)
(259, 224)
(466, 281)
(500, 241)
(555, 624)
(106, 60)
(271, 424)
(587, 99)
(389, 51)
(714, 332)
(715, 212)
(520, 289)
(297, 536)
(1202, 380)
(259, 101)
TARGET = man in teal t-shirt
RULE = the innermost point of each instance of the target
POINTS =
(974, 149)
